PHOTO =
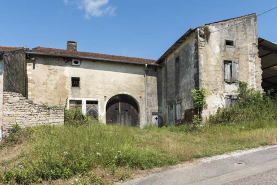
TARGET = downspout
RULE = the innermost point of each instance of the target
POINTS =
(145, 84)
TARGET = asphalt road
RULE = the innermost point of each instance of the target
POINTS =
(256, 166)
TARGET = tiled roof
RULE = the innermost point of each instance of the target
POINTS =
(8, 48)
(62, 52)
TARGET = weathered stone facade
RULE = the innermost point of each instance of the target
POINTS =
(214, 56)
(198, 59)
(49, 82)
(17, 109)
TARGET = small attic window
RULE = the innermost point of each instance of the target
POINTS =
(229, 43)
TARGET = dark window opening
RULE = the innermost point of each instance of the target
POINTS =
(75, 81)
(76, 62)
(229, 43)
(177, 59)
(75, 104)
(230, 71)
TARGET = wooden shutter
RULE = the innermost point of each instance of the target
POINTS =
(234, 71)
(227, 101)
(227, 71)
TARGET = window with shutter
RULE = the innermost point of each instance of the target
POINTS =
(230, 71)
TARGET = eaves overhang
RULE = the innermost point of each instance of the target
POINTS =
(92, 58)
(176, 45)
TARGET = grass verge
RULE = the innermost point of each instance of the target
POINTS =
(103, 154)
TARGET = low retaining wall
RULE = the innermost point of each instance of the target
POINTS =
(20, 110)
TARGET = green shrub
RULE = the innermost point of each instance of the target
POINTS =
(252, 105)
(74, 117)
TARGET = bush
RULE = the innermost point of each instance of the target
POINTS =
(74, 117)
(252, 105)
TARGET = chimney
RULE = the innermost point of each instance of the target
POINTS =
(71, 45)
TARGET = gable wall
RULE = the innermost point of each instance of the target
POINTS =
(243, 31)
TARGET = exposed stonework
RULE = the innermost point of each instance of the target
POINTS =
(17, 109)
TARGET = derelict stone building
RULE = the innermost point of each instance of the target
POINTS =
(36, 84)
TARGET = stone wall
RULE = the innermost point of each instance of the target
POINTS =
(18, 109)
(214, 51)
(178, 79)
(15, 72)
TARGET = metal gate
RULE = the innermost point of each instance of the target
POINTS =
(122, 110)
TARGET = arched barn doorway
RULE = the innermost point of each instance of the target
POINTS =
(122, 110)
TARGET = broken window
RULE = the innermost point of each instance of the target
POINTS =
(230, 71)
(92, 109)
(75, 81)
(75, 104)
(229, 43)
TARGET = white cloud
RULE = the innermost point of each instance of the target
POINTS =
(95, 8)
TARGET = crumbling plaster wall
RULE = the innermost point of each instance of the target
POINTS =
(174, 93)
(49, 82)
(213, 51)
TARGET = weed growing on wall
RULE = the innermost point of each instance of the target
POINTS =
(199, 101)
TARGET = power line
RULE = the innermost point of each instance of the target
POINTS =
(245, 20)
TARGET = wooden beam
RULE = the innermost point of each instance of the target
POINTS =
(269, 66)
(270, 77)
(268, 49)
(269, 82)
(266, 55)
(261, 41)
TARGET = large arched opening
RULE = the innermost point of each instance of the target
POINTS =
(122, 109)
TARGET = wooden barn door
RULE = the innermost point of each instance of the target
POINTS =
(122, 110)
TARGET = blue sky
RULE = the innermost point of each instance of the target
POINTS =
(138, 28)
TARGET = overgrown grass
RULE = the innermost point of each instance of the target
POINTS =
(62, 152)
(102, 154)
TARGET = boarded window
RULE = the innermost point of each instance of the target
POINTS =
(170, 114)
(75, 103)
(230, 100)
(177, 75)
(230, 71)
(92, 109)
(178, 112)
(75, 81)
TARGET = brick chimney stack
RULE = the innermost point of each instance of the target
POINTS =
(71, 45)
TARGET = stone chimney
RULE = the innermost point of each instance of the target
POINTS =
(71, 45)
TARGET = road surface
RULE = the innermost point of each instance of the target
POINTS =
(255, 166)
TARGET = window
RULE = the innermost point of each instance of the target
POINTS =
(75, 81)
(177, 75)
(178, 112)
(229, 43)
(92, 109)
(75, 103)
(230, 71)
(230, 100)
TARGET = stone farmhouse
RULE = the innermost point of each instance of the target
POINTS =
(36, 84)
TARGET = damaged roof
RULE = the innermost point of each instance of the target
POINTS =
(88, 55)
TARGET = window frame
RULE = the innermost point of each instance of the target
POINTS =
(233, 71)
(72, 81)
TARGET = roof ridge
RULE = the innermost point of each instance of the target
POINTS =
(91, 53)
(232, 18)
